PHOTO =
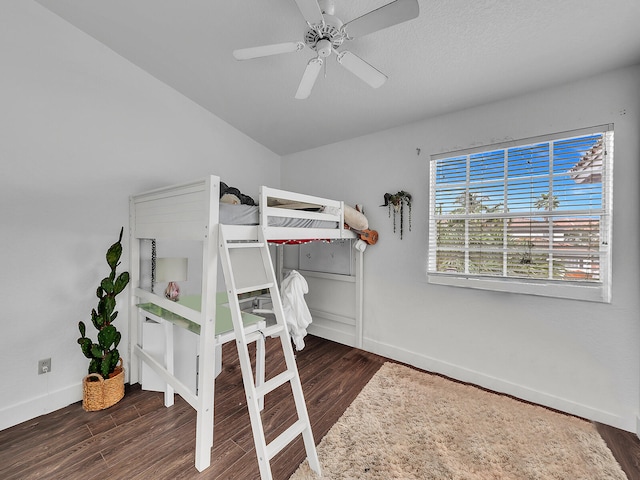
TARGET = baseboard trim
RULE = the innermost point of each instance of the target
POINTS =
(498, 385)
(32, 408)
(52, 401)
(332, 334)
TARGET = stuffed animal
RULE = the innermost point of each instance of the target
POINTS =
(234, 196)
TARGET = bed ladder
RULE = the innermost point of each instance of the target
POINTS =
(247, 267)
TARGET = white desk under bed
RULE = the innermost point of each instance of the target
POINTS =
(224, 333)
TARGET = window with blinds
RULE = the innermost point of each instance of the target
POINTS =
(530, 216)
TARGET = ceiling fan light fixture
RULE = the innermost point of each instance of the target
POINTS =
(323, 47)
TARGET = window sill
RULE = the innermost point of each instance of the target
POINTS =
(571, 291)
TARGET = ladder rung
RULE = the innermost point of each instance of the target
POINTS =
(253, 288)
(285, 438)
(245, 244)
(275, 382)
(265, 332)
(273, 330)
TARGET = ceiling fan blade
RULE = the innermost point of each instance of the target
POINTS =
(310, 11)
(361, 69)
(386, 16)
(267, 50)
(309, 78)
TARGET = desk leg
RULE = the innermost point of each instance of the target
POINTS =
(168, 362)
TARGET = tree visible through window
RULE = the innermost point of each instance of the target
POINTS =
(530, 211)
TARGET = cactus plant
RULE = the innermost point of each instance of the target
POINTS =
(104, 355)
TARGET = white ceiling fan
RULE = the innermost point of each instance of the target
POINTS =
(326, 33)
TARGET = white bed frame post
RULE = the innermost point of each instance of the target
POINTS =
(359, 297)
(134, 275)
(206, 358)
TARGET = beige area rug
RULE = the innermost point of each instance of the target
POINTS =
(407, 424)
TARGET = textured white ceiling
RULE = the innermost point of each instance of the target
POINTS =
(456, 54)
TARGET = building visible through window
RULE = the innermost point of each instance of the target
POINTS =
(528, 217)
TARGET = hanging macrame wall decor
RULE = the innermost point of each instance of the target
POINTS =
(395, 203)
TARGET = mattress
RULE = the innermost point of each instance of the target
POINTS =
(250, 215)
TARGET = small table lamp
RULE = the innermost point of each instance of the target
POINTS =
(172, 270)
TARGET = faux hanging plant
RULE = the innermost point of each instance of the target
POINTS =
(395, 203)
(104, 355)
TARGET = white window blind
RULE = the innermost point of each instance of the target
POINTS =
(530, 216)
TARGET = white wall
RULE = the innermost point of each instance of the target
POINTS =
(80, 130)
(574, 356)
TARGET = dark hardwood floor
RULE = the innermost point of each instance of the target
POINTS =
(141, 439)
(625, 446)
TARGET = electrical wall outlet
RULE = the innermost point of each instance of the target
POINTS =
(44, 366)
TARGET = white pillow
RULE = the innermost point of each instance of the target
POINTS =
(355, 219)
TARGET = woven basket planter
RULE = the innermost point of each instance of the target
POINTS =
(98, 393)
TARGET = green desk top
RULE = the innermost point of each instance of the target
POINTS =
(224, 322)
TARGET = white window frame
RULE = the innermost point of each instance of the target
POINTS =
(596, 291)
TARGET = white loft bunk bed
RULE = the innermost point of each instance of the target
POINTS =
(192, 212)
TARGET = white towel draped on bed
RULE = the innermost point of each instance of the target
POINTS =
(296, 312)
